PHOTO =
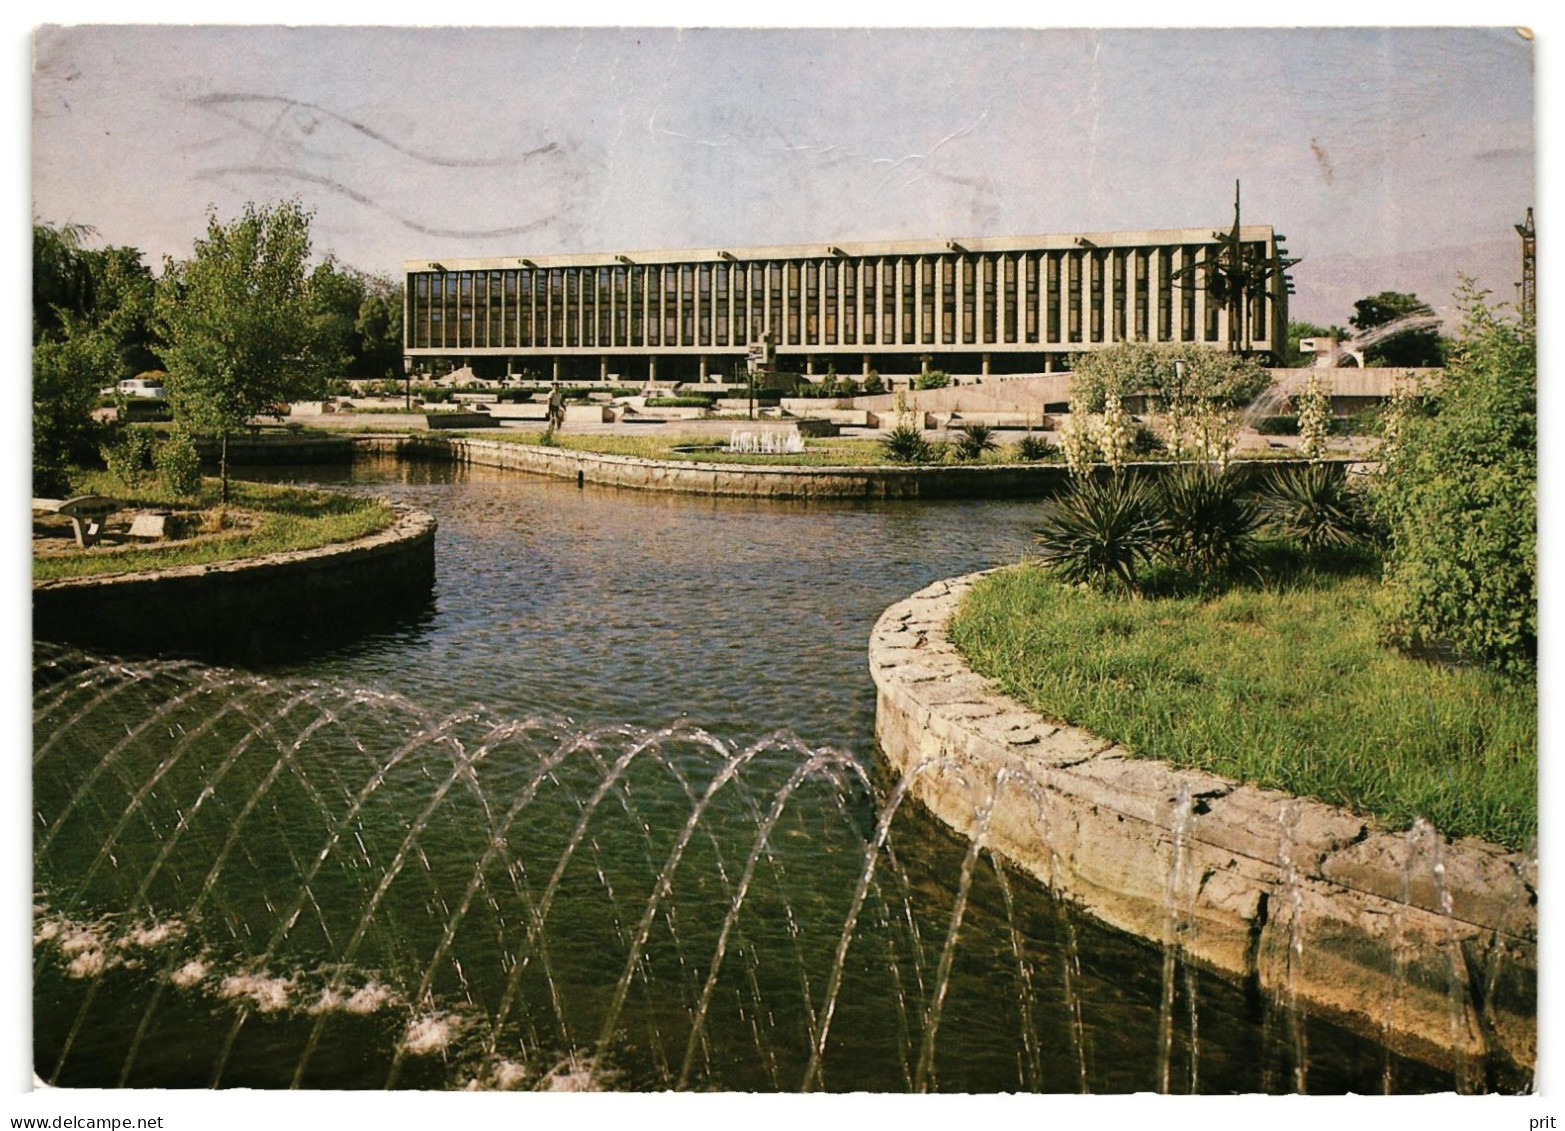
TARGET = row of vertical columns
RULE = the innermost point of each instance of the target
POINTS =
(741, 308)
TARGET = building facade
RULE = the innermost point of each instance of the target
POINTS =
(991, 305)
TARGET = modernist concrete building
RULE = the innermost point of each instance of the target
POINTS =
(992, 305)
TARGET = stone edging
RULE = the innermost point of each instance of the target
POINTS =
(742, 480)
(1427, 945)
(194, 606)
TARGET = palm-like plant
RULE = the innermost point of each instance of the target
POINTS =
(1209, 520)
(1316, 507)
(1099, 531)
(906, 444)
(1031, 448)
(976, 440)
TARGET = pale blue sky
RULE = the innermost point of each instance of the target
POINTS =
(1392, 158)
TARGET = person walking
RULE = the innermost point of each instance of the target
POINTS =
(556, 408)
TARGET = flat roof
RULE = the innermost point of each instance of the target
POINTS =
(827, 249)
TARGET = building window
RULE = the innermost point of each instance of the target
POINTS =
(871, 292)
(1117, 330)
(829, 301)
(1009, 325)
(1259, 330)
(926, 299)
(906, 283)
(1187, 287)
(704, 305)
(850, 303)
(1141, 294)
(774, 293)
(671, 306)
(1053, 320)
(947, 299)
(989, 298)
(793, 304)
(1165, 294)
(1073, 292)
(888, 295)
(1095, 294)
(605, 307)
(725, 310)
(812, 303)
(635, 311)
(1030, 322)
(654, 306)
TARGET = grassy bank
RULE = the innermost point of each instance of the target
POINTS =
(1281, 687)
(259, 519)
(832, 452)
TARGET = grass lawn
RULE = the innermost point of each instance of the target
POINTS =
(1284, 687)
(274, 519)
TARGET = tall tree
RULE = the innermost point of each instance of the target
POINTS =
(1423, 347)
(91, 310)
(237, 320)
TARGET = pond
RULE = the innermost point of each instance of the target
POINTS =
(606, 812)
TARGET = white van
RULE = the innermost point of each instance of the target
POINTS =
(142, 387)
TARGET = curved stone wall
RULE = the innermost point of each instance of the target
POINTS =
(1430, 946)
(973, 481)
(246, 606)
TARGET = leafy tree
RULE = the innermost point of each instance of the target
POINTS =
(1412, 348)
(91, 311)
(1292, 356)
(1142, 368)
(335, 295)
(1459, 495)
(239, 323)
(379, 327)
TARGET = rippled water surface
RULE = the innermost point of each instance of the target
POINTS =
(605, 813)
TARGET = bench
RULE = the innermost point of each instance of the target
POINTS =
(86, 513)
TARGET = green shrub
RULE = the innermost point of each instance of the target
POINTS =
(680, 402)
(873, 384)
(129, 455)
(906, 444)
(1458, 492)
(1208, 521)
(1280, 425)
(1144, 441)
(976, 440)
(1140, 368)
(178, 465)
(1034, 449)
(1099, 531)
(1314, 507)
(934, 379)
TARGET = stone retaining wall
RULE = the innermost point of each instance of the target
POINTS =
(247, 607)
(1427, 945)
(980, 481)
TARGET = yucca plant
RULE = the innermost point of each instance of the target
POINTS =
(1315, 507)
(906, 444)
(976, 440)
(1099, 531)
(1031, 448)
(1209, 520)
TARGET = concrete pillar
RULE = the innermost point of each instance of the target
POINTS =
(556, 368)
(866, 366)
(703, 368)
(1048, 363)
(603, 368)
(652, 367)
(986, 365)
(809, 365)
(923, 362)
